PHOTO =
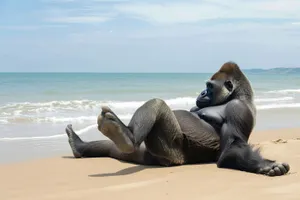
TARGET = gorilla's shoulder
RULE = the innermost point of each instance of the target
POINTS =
(241, 110)
(236, 102)
(240, 104)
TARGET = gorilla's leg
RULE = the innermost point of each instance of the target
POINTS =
(240, 155)
(154, 123)
(106, 148)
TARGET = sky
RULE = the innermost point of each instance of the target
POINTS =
(147, 35)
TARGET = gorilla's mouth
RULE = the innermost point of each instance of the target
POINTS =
(203, 101)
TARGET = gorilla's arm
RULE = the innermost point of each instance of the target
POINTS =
(236, 153)
(214, 115)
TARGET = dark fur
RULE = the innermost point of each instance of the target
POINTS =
(216, 131)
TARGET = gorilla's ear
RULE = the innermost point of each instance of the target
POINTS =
(228, 84)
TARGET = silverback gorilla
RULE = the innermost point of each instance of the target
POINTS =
(216, 130)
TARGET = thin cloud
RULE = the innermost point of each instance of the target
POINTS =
(192, 12)
(30, 27)
(19, 28)
(84, 1)
(80, 19)
(78, 11)
(175, 12)
(58, 1)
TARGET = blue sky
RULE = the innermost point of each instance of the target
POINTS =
(147, 35)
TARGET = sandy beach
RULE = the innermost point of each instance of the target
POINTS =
(65, 178)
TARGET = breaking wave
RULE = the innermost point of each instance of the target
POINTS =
(86, 111)
(285, 91)
(277, 106)
(81, 111)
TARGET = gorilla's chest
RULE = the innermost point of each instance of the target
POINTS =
(215, 115)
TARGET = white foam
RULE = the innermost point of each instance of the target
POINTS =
(180, 101)
(56, 107)
(285, 91)
(128, 116)
(277, 106)
(79, 132)
(4, 121)
(70, 111)
(54, 120)
(274, 99)
(80, 119)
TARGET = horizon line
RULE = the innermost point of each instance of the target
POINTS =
(136, 72)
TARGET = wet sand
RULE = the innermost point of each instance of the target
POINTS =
(66, 178)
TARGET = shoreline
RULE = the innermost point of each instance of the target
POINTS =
(63, 177)
(53, 140)
(257, 136)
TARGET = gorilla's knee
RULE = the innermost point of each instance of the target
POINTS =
(156, 102)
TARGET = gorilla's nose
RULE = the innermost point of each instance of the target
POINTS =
(204, 92)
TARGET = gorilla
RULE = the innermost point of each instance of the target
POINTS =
(216, 130)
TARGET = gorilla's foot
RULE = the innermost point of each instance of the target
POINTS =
(112, 127)
(74, 141)
(275, 169)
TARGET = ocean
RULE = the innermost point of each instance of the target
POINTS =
(36, 107)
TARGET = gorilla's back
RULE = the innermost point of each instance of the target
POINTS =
(201, 142)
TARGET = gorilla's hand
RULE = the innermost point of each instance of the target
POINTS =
(213, 115)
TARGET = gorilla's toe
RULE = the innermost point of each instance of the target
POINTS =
(74, 140)
(69, 129)
(275, 169)
(100, 121)
(286, 166)
(111, 116)
(105, 109)
(105, 113)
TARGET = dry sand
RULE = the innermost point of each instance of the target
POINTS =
(65, 178)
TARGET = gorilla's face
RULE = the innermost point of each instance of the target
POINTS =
(217, 92)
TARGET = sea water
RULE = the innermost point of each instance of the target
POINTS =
(36, 107)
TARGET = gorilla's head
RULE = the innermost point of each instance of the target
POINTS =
(226, 84)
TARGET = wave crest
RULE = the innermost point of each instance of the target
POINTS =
(285, 91)
(80, 119)
(277, 106)
(81, 111)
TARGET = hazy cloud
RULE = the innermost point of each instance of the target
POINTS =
(30, 27)
(195, 11)
(80, 19)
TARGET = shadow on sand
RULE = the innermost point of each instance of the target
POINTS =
(126, 171)
(68, 157)
(123, 172)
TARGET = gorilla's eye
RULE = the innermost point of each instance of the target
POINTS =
(228, 85)
(209, 85)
